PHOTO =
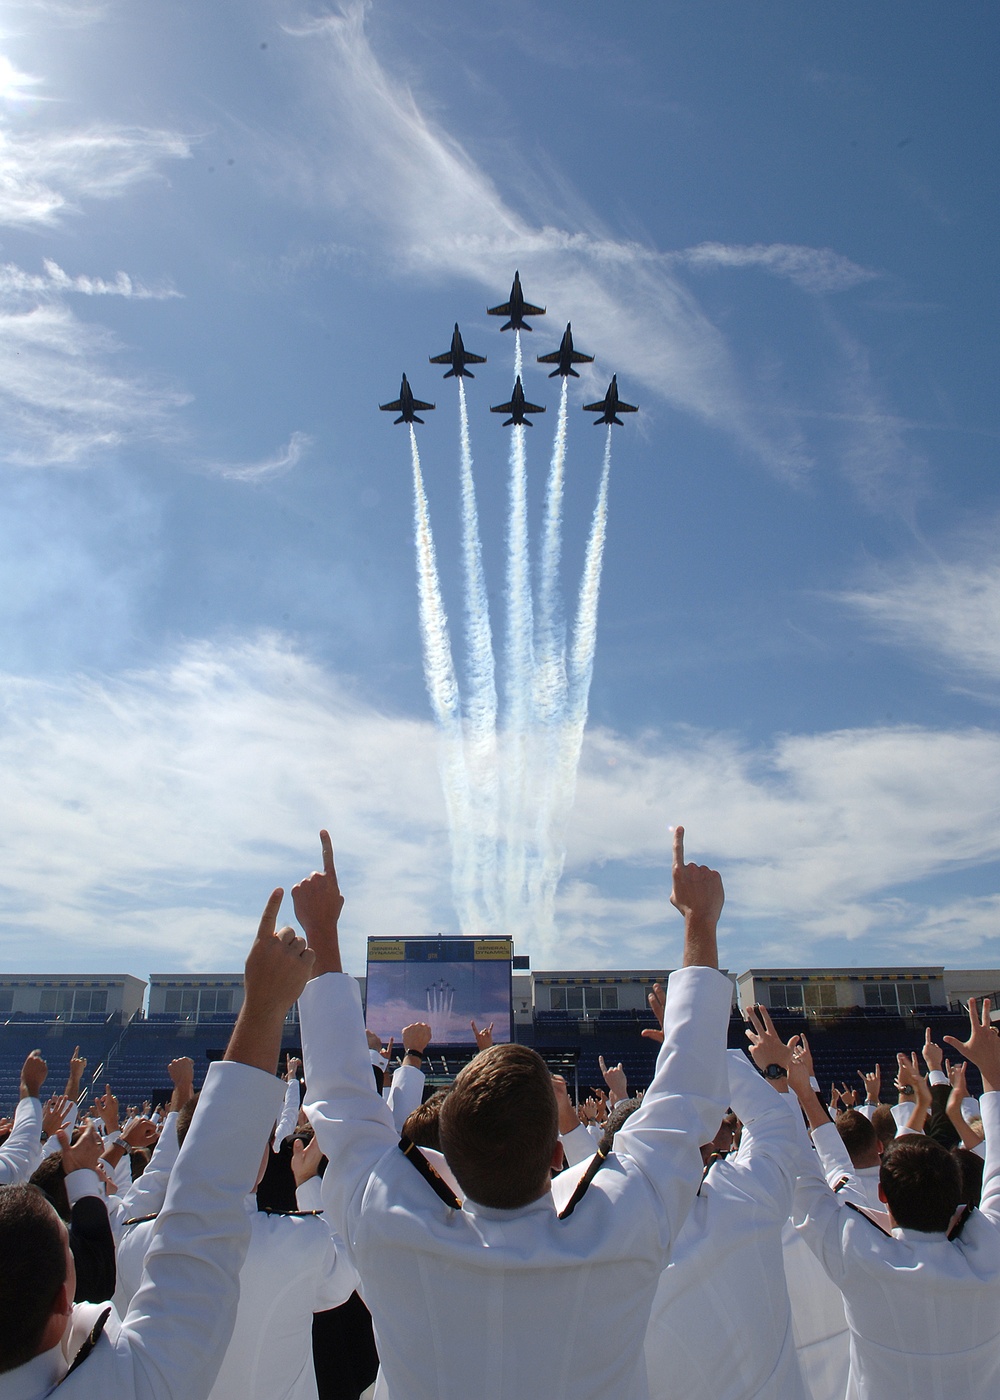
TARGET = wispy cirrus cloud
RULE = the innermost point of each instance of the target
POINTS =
(948, 611)
(812, 269)
(45, 175)
(53, 281)
(281, 462)
(246, 748)
(60, 400)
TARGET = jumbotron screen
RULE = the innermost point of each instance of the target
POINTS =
(447, 982)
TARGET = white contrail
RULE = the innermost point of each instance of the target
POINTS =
(481, 700)
(550, 667)
(442, 688)
(518, 678)
(580, 668)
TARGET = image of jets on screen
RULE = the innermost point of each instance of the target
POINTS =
(447, 982)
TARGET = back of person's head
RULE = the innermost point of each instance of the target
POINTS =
(884, 1124)
(617, 1119)
(33, 1250)
(499, 1127)
(139, 1159)
(860, 1138)
(971, 1165)
(184, 1117)
(50, 1178)
(423, 1127)
(921, 1183)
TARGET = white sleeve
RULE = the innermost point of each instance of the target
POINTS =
(578, 1145)
(289, 1115)
(405, 1093)
(22, 1151)
(146, 1194)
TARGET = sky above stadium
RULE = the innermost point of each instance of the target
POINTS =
(225, 230)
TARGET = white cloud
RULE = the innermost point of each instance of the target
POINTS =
(59, 399)
(15, 281)
(946, 610)
(151, 812)
(281, 462)
(45, 175)
(812, 269)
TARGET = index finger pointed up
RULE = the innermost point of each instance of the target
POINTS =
(327, 845)
(678, 846)
(265, 929)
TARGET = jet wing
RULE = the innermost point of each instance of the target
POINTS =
(625, 407)
(499, 310)
(442, 359)
(396, 407)
(419, 404)
(528, 310)
(504, 407)
(532, 407)
(552, 359)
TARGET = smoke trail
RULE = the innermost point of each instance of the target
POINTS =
(580, 669)
(519, 665)
(550, 670)
(442, 688)
(481, 702)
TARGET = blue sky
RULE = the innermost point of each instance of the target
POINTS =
(226, 229)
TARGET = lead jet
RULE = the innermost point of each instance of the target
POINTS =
(517, 407)
(516, 309)
(565, 357)
(458, 357)
(406, 405)
(610, 406)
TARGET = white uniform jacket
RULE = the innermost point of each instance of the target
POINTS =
(489, 1302)
(22, 1151)
(172, 1342)
(721, 1325)
(405, 1094)
(924, 1311)
(835, 1161)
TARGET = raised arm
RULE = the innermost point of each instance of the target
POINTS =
(983, 1049)
(22, 1151)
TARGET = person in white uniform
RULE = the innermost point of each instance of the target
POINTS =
(502, 1292)
(923, 1303)
(22, 1152)
(172, 1342)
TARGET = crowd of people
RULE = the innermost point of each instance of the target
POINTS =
(331, 1231)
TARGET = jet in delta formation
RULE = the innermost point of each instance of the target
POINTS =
(406, 405)
(565, 357)
(458, 357)
(610, 406)
(517, 407)
(516, 309)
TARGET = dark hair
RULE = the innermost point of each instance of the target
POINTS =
(621, 1112)
(922, 1183)
(184, 1116)
(884, 1124)
(859, 1137)
(50, 1178)
(970, 1165)
(422, 1126)
(499, 1126)
(33, 1250)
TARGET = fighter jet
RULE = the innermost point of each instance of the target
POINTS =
(565, 357)
(458, 357)
(517, 407)
(516, 309)
(610, 406)
(406, 405)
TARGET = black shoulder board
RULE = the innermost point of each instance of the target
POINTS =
(839, 1185)
(91, 1342)
(292, 1214)
(865, 1216)
(142, 1219)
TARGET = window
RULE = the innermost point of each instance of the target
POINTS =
(898, 995)
(6, 1003)
(583, 1001)
(786, 996)
(820, 994)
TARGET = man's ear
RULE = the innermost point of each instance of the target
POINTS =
(558, 1158)
(882, 1195)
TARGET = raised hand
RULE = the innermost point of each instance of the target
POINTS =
(908, 1074)
(848, 1097)
(872, 1083)
(766, 1045)
(657, 1003)
(277, 968)
(418, 1036)
(982, 1046)
(106, 1108)
(933, 1054)
(568, 1117)
(33, 1073)
(699, 895)
(55, 1114)
(77, 1064)
(484, 1038)
(306, 1158)
(139, 1132)
(292, 1067)
(318, 902)
(615, 1079)
(85, 1153)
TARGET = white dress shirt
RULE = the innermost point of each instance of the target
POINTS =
(499, 1303)
(721, 1326)
(924, 1311)
(22, 1152)
(172, 1342)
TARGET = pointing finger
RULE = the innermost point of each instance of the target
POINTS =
(678, 847)
(327, 845)
(269, 918)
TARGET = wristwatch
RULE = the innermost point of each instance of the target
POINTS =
(418, 1054)
(776, 1072)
